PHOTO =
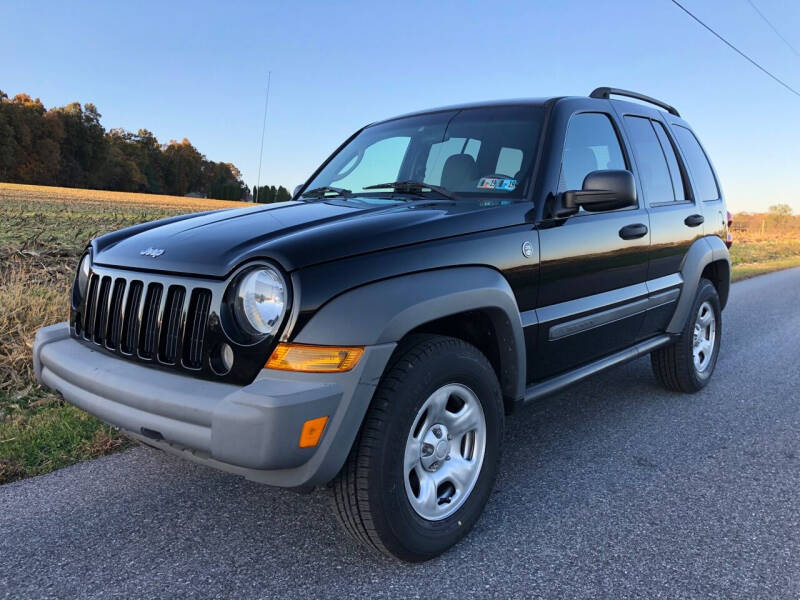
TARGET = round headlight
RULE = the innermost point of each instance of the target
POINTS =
(260, 301)
(83, 274)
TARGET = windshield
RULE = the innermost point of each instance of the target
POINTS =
(474, 152)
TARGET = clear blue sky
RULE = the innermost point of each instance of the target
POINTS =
(198, 70)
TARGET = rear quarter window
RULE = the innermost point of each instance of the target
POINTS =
(703, 181)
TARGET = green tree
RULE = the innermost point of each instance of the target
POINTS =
(8, 143)
(266, 194)
(121, 171)
(781, 210)
(282, 195)
(83, 146)
(224, 181)
(779, 215)
(184, 168)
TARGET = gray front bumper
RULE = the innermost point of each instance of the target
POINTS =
(252, 431)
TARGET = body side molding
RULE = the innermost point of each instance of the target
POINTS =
(629, 301)
(563, 310)
(605, 317)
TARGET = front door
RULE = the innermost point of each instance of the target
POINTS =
(592, 295)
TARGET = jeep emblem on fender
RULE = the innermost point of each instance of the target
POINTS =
(153, 252)
(527, 249)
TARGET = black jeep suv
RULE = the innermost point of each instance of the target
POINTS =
(438, 271)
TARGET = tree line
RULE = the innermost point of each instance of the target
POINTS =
(778, 221)
(267, 194)
(67, 146)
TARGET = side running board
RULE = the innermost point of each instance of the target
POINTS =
(559, 382)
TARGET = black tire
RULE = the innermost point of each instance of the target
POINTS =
(674, 365)
(369, 494)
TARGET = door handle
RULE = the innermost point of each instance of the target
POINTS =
(631, 232)
(694, 220)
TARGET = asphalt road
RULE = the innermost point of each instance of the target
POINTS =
(614, 488)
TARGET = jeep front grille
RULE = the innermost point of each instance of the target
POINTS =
(139, 319)
(167, 321)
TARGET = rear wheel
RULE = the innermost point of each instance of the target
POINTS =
(424, 464)
(688, 363)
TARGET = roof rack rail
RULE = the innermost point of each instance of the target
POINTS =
(606, 92)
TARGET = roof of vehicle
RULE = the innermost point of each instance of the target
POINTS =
(601, 93)
(484, 104)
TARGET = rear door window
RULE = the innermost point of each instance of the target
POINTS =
(654, 174)
(704, 183)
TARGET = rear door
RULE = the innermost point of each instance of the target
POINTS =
(676, 220)
(592, 292)
(706, 187)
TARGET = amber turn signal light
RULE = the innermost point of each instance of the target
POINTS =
(312, 432)
(314, 359)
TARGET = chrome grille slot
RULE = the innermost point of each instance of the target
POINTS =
(196, 320)
(131, 317)
(115, 314)
(89, 308)
(150, 321)
(171, 325)
(101, 311)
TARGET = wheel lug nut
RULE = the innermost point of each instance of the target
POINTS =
(437, 432)
(447, 457)
(427, 449)
(449, 436)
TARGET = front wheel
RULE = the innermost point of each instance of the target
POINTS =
(688, 363)
(424, 464)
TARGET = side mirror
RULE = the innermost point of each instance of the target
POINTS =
(297, 189)
(602, 190)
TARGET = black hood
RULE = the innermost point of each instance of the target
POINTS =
(295, 234)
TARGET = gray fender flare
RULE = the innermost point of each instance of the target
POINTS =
(384, 311)
(702, 253)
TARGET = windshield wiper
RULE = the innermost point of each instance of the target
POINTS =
(321, 192)
(412, 187)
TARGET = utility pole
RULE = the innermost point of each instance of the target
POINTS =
(263, 130)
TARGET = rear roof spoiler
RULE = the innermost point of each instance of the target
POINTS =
(606, 92)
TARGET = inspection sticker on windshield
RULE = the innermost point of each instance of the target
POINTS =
(497, 183)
